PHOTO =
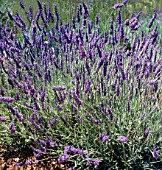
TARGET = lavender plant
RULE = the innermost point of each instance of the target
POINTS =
(88, 98)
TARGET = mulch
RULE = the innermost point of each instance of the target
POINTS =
(9, 162)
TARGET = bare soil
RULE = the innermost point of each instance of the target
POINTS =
(9, 162)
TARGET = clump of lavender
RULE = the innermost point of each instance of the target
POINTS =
(76, 89)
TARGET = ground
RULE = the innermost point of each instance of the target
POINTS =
(8, 162)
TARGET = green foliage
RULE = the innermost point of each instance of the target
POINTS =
(78, 130)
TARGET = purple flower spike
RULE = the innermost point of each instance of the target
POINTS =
(118, 6)
(20, 163)
(146, 132)
(63, 158)
(52, 122)
(125, 1)
(10, 15)
(155, 154)
(85, 9)
(35, 149)
(121, 32)
(80, 152)
(29, 162)
(36, 126)
(22, 4)
(118, 18)
(96, 163)
(58, 88)
(39, 5)
(11, 127)
(2, 119)
(67, 149)
(6, 99)
(77, 99)
(89, 162)
(19, 116)
(117, 90)
(41, 142)
(110, 112)
(123, 139)
(97, 19)
(142, 116)
(152, 20)
(95, 121)
(37, 155)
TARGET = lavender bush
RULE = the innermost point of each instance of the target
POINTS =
(86, 97)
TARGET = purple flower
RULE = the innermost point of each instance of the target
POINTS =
(117, 90)
(70, 169)
(96, 121)
(77, 99)
(28, 162)
(87, 87)
(118, 18)
(58, 88)
(20, 163)
(58, 106)
(125, 1)
(2, 119)
(155, 154)
(118, 6)
(6, 99)
(56, 13)
(123, 139)
(11, 127)
(89, 162)
(121, 32)
(142, 116)
(105, 67)
(63, 158)
(85, 9)
(36, 126)
(22, 4)
(153, 33)
(99, 65)
(73, 150)
(19, 116)
(110, 112)
(36, 150)
(67, 149)
(96, 20)
(73, 22)
(10, 15)
(105, 138)
(41, 142)
(88, 67)
(126, 22)
(39, 5)
(128, 106)
(37, 155)
(146, 132)
(152, 20)
(78, 14)
(52, 122)
(80, 152)
(96, 163)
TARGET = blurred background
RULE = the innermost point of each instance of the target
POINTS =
(102, 7)
(65, 7)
